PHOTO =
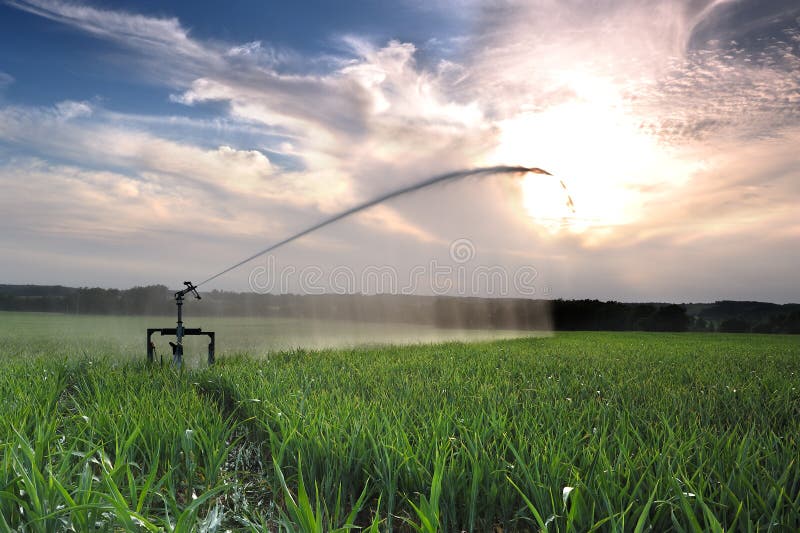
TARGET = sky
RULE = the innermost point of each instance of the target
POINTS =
(155, 142)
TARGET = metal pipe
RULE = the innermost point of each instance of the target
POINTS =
(211, 355)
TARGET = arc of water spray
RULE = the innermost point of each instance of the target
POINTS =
(450, 176)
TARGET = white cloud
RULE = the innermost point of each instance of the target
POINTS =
(246, 49)
(158, 35)
(68, 109)
(230, 173)
(5, 79)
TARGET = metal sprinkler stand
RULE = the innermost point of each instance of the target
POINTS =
(180, 331)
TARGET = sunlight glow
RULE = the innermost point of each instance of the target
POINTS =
(597, 147)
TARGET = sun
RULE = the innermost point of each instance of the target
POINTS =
(546, 201)
(597, 148)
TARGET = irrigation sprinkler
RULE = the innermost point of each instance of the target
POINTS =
(180, 332)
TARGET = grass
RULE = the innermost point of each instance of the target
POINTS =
(577, 432)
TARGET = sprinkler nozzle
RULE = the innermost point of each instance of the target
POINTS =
(539, 171)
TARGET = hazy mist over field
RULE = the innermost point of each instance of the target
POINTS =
(145, 143)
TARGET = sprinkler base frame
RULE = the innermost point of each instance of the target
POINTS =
(178, 357)
(180, 331)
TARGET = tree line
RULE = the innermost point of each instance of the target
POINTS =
(441, 311)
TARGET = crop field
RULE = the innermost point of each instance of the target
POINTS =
(572, 432)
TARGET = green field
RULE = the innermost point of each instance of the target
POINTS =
(577, 431)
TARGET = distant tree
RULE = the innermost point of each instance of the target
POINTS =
(763, 327)
(641, 317)
(792, 323)
(701, 324)
(734, 325)
(785, 323)
(670, 318)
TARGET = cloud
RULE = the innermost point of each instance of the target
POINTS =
(345, 100)
(673, 134)
(622, 99)
(638, 55)
(5, 79)
(158, 181)
(725, 92)
(69, 109)
(63, 131)
(156, 35)
(109, 227)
